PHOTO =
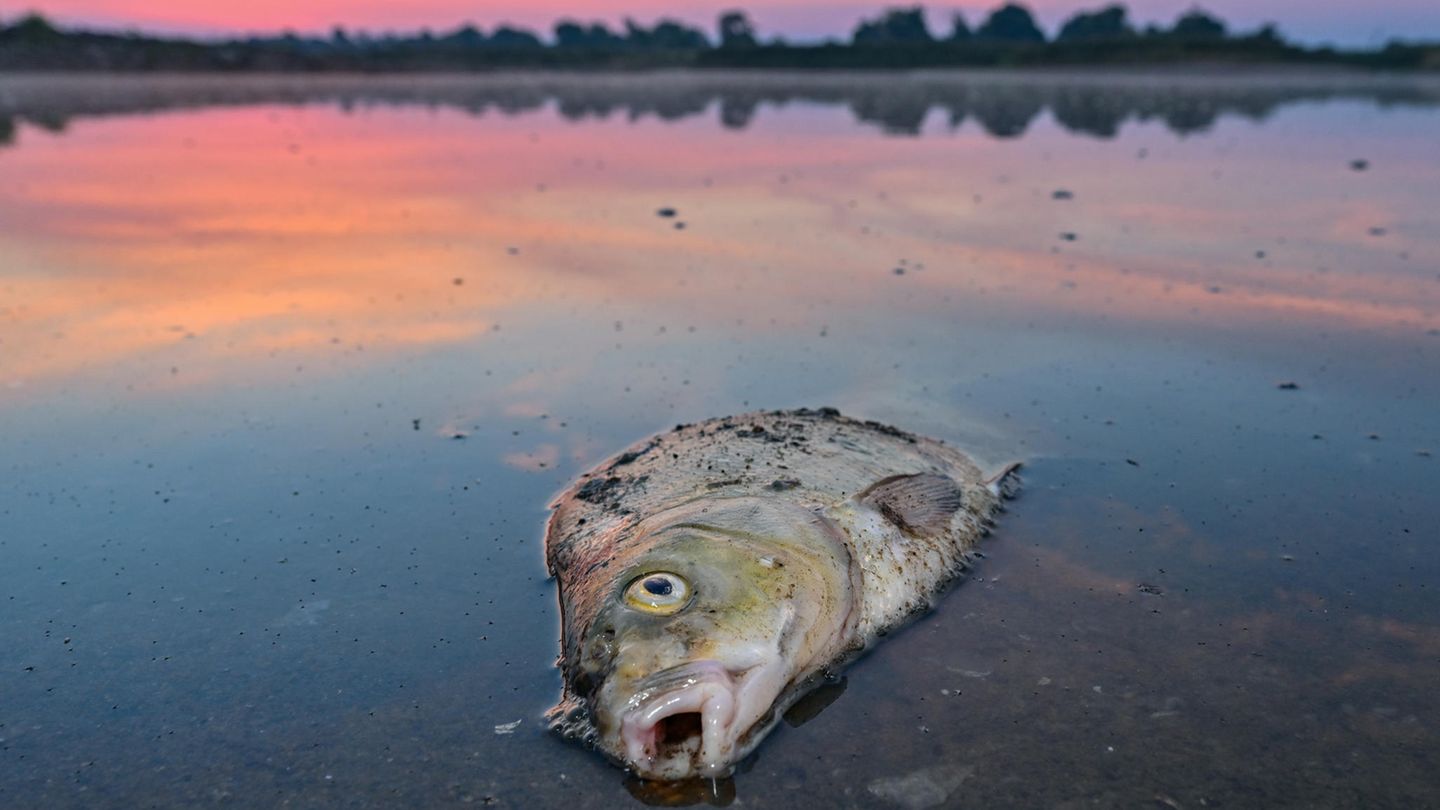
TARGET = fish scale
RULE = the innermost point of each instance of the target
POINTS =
(876, 520)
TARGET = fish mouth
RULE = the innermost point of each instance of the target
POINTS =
(680, 724)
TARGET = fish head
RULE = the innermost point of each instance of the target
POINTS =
(706, 629)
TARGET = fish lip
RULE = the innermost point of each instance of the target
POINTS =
(704, 687)
(684, 675)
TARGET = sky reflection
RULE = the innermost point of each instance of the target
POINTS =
(237, 232)
(289, 370)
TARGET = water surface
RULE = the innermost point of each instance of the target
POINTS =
(289, 369)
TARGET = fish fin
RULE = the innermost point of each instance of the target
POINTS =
(918, 504)
(1005, 484)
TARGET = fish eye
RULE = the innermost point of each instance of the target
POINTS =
(659, 592)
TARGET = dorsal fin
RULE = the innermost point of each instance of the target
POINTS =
(918, 504)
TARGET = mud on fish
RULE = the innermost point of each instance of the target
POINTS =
(708, 577)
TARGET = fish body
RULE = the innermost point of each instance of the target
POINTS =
(711, 576)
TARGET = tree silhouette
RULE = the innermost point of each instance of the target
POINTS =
(1010, 23)
(1268, 35)
(507, 37)
(467, 36)
(33, 28)
(572, 34)
(1106, 23)
(736, 30)
(896, 38)
(896, 25)
(666, 35)
(1197, 24)
(959, 29)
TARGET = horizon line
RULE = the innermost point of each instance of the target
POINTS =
(616, 21)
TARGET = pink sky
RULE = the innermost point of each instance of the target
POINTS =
(1311, 20)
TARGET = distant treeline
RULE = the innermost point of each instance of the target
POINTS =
(896, 38)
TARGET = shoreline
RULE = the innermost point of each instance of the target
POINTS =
(1198, 73)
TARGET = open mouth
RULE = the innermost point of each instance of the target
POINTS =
(681, 726)
(678, 731)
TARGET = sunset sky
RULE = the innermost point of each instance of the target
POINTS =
(1350, 23)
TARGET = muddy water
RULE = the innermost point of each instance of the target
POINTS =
(289, 369)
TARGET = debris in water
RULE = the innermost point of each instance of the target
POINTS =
(1288, 386)
(667, 213)
(1062, 194)
(1359, 165)
(918, 790)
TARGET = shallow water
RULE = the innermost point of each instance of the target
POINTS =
(290, 367)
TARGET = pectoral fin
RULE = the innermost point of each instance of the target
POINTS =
(918, 504)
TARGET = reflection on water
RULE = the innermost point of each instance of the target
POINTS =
(1003, 105)
(290, 367)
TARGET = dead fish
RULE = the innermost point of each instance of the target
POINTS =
(710, 577)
